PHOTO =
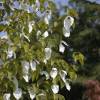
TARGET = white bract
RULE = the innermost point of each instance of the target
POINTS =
(41, 94)
(63, 75)
(61, 48)
(45, 61)
(45, 34)
(55, 88)
(38, 34)
(33, 65)
(68, 87)
(23, 35)
(45, 73)
(48, 52)
(10, 53)
(46, 20)
(30, 26)
(27, 38)
(66, 32)
(32, 94)
(26, 67)
(64, 43)
(53, 73)
(68, 22)
(17, 93)
(26, 78)
(47, 17)
(6, 96)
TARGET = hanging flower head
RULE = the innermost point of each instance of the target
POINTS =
(68, 22)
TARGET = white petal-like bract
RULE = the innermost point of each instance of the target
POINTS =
(45, 61)
(66, 32)
(45, 34)
(32, 94)
(17, 93)
(63, 75)
(61, 48)
(68, 22)
(38, 34)
(68, 87)
(47, 17)
(64, 43)
(45, 73)
(26, 78)
(10, 53)
(6, 96)
(30, 26)
(55, 88)
(26, 37)
(48, 52)
(53, 73)
(26, 66)
(33, 65)
(46, 20)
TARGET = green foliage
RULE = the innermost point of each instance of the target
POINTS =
(78, 57)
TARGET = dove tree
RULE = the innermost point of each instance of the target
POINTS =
(32, 46)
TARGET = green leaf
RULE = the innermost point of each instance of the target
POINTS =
(58, 97)
(72, 12)
(35, 75)
(78, 57)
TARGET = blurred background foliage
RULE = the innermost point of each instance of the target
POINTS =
(86, 36)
